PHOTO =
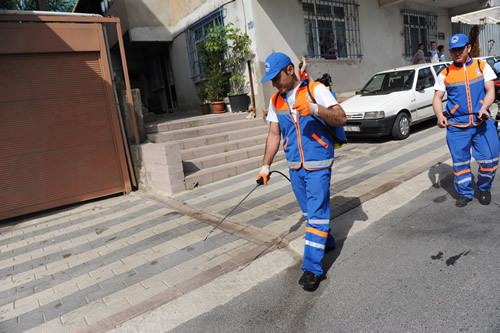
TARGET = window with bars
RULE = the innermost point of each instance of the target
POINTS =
(332, 29)
(197, 33)
(419, 27)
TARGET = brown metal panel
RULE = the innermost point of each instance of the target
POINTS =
(56, 18)
(61, 139)
(49, 37)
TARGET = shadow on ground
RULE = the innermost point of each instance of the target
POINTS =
(340, 228)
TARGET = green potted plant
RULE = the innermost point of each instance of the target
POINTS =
(213, 61)
(238, 53)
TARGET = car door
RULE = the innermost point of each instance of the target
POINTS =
(424, 93)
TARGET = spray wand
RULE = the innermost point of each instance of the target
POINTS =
(259, 181)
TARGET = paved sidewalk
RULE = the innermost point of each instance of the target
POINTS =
(94, 266)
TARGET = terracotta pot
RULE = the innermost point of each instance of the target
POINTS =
(205, 108)
(218, 107)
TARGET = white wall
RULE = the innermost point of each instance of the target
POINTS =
(279, 27)
(184, 86)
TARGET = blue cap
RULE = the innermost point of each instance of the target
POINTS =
(274, 64)
(458, 40)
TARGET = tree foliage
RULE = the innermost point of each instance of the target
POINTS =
(50, 5)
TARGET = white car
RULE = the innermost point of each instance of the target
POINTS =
(392, 101)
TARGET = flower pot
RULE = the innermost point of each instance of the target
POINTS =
(218, 107)
(239, 102)
(205, 108)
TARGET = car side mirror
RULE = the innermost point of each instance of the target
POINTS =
(420, 87)
(358, 92)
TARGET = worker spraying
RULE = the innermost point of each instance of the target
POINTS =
(309, 148)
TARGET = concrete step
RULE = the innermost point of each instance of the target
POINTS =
(205, 141)
(204, 120)
(219, 148)
(223, 158)
(201, 131)
(210, 175)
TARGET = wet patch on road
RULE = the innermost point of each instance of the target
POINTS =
(437, 256)
(452, 260)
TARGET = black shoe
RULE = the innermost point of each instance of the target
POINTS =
(484, 197)
(329, 248)
(463, 201)
(309, 281)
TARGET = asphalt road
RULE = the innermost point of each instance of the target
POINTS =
(425, 267)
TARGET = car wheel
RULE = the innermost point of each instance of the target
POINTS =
(401, 127)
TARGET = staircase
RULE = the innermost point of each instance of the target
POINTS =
(215, 146)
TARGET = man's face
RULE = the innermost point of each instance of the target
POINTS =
(460, 54)
(433, 46)
(284, 80)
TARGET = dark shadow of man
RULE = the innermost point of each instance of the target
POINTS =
(441, 175)
(340, 227)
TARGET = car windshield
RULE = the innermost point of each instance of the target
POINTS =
(439, 68)
(385, 83)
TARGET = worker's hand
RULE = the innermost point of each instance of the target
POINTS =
(484, 115)
(264, 174)
(442, 121)
(306, 108)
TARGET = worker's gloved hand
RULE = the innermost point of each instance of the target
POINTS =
(483, 115)
(264, 174)
(306, 108)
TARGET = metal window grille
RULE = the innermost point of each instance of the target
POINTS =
(106, 5)
(197, 33)
(419, 27)
(332, 29)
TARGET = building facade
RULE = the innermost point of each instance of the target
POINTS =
(349, 39)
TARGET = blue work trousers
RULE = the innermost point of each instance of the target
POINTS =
(312, 190)
(485, 145)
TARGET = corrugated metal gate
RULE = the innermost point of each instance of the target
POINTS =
(489, 37)
(60, 135)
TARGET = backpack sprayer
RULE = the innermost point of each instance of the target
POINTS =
(259, 181)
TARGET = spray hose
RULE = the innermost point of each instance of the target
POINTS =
(259, 181)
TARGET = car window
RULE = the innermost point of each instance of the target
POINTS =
(389, 82)
(425, 78)
(491, 62)
(439, 68)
